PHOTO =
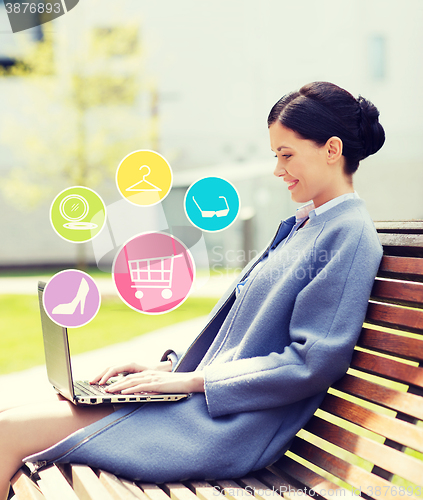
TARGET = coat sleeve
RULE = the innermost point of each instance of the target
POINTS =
(326, 321)
(172, 356)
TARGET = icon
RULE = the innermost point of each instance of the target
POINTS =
(70, 209)
(144, 178)
(71, 298)
(153, 273)
(156, 272)
(143, 185)
(77, 214)
(212, 204)
(218, 213)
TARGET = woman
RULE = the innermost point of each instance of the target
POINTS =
(273, 345)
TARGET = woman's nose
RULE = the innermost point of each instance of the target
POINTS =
(279, 170)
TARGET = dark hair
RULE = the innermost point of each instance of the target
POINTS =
(320, 110)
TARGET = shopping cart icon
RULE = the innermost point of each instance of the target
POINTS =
(152, 272)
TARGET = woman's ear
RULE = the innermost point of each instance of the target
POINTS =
(333, 149)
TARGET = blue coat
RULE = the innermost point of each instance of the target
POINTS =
(277, 347)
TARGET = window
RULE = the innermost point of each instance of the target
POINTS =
(377, 57)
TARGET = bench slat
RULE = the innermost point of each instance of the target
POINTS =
(115, 487)
(137, 492)
(401, 240)
(204, 490)
(153, 492)
(258, 489)
(396, 317)
(379, 394)
(177, 491)
(387, 458)
(401, 265)
(405, 292)
(289, 476)
(399, 226)
(87, 485)
(388, 368)
(232, 490)
(391, 343)
(24, 488)
(386, 426)
(359, 478)
(53, 481)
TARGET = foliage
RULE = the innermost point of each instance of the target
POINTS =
(77, 113)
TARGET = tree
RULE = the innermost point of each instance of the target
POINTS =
(77, 114)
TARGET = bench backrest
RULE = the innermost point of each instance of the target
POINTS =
(372, 417)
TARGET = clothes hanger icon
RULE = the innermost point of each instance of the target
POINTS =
(143, 181)
(211, 213)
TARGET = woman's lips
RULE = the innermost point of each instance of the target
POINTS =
(292, 184)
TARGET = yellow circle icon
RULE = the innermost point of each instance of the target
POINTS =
(144, 177)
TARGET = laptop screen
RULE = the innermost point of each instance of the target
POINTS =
(56, 349)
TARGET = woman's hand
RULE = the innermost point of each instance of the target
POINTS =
(112, 371)
(159, 381)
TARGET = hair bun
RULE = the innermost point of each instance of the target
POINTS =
(371, 131)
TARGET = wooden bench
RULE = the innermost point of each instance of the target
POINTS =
(367, 436)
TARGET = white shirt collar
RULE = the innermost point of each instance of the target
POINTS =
(308, 210)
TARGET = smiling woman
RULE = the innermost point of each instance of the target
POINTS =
(276, 340)
(319, 135)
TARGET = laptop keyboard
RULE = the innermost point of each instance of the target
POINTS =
(87, 389)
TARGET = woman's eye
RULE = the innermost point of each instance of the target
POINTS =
(284, 156)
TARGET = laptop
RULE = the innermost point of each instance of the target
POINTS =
(59, 370)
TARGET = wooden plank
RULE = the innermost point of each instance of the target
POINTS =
(258, 489)
(153, 492)
(399, 318)
(177, 491)
(137, 492)
(379, 394)
(24, 488)
(232, 490)
(401, 265)
(360, 479)
(388, 368)
(204, 490)
(401, 292)
(414, 226)
(87, 485)
(115, 487)
(294, 479)
(387, 458)
(391, 343)
(55, 485)
(401, 432)
(401, 240)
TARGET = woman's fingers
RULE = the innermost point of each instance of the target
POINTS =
(112, 371)
(158, 381)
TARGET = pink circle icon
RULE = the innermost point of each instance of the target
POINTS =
(71, 298)
(153, 273)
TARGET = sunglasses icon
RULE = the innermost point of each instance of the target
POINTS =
(211, 213)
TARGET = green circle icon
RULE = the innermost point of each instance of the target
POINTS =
(77, 214)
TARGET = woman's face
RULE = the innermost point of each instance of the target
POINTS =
(304, 166)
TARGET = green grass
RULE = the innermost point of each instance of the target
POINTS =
(20, 338)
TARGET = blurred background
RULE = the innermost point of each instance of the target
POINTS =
(195, 81)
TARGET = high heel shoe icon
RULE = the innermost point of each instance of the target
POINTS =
(80, 297)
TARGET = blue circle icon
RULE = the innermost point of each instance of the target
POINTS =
(212, 204)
